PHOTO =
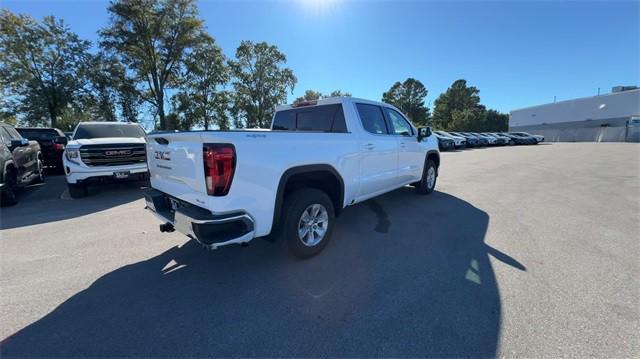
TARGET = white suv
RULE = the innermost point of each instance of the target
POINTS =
(104, 151)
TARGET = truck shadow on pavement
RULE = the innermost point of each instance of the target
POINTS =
(423, 286)
(50, 202)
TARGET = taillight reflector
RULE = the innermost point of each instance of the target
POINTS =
(219, 166)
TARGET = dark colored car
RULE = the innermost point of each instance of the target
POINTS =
(20, 162)
(52, 142)
(445, 143)
(472, 141)
(499, 140)
(521, 139)
(481, 140)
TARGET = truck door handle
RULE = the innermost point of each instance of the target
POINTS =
(369, 146)
(403, 145)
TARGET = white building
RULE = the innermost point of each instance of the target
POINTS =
(609, 117)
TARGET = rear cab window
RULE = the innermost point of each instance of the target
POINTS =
(321, 118)
(38, 134)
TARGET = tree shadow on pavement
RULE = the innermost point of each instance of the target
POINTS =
(50, 202)
(422, 287)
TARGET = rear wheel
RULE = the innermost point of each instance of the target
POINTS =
(309, 220)
(40, 173)
(77, 190)
(429, 176)
(9, 197)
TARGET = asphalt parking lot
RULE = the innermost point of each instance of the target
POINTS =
(522, 252)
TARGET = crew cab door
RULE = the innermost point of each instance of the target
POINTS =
(410, 154)
(378, 152)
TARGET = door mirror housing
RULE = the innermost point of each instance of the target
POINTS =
(19, 142)
(423, 132)
(60, 140)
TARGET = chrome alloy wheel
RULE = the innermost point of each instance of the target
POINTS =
(313, 225)
(431, 177)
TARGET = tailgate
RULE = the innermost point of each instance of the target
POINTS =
(176, 165)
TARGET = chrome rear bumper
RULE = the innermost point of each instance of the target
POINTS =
(210, 230)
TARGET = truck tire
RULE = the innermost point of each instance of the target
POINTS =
(309, 220)
(40, 178)
(429, 176)
(77, 190)
(9, 197)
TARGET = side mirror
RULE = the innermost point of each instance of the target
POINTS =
(60, 140)
(19, 142)
(423, 132)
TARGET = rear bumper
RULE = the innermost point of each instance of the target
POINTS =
(210, 230)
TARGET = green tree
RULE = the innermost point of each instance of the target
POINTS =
(309, 95)
(408, 97)
(40, 65)
(496, 121)
(470, 119)
(200, 100)
(458, 98)
(260, 82)
(112, 90)
(7, 113)
(338, 93)
(71, 116)
(152, 38)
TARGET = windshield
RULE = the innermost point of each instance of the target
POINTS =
(43, 134)
(108, 130)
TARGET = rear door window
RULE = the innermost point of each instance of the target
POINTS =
(323, 118)
(372, 118)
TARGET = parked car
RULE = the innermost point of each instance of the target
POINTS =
(498, 140)
(481, 140)
(507, 140)
(445, 143)
(521, 139)
(21, 163)
(104, 151)
(225, 187)
(458, 141)
(491, 141)
(51, 141)
(472, 141)
(539, 138)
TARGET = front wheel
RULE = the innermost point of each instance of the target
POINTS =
(8, 196)
(309, 220)
(429, 176)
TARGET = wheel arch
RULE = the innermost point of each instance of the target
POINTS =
(321, 176)
(435, 157)
(8, 165)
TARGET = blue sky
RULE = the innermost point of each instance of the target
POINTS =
(517, 53)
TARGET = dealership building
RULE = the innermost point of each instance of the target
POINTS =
(612, 117)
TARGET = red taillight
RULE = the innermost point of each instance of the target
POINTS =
(58, 147)
(219, 166)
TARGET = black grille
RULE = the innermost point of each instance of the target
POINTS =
(113, 155)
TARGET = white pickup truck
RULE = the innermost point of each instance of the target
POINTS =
(104, 151)
(224, 187)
